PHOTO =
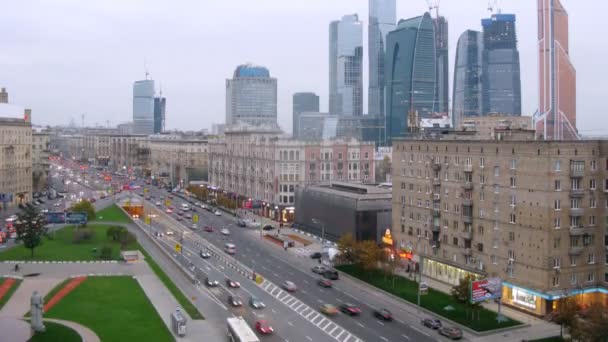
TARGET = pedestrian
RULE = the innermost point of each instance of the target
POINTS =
(16, 267)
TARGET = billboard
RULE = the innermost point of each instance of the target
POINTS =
(76, 218)
(484, 289)
(58, 217)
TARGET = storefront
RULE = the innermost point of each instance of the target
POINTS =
(446, 273)
(287, 214)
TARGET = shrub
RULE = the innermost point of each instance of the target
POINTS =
(126, 238)
(82, 235)
(106, 253)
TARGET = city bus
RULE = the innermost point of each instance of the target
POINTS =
(239, 330)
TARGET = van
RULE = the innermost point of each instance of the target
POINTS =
(230, 248)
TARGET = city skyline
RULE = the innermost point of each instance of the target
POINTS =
(113, 73)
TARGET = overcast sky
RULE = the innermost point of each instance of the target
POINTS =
(64, 58)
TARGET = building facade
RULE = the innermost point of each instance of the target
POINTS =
(262, 165)
(557, 81)
(303, 102)
(501, 81)
(3, 95)
(251, 96)
(41, 165)
(530, 212)
(410, 74)
(346, 66)
(143, 107)
(382, 19)
(442, 69)
(130, 153)
(467, 77)
(178, 160)
(160, 104)
(15, 161)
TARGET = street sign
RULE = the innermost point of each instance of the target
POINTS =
(145, 190)
(167, 202)
(195, 218)
(148, 220)
(484, 289)
(178, 247)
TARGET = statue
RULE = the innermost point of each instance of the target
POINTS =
(37, 306)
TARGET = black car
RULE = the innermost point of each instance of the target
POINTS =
(268, 227)
(235, 301)
(316, 255)
(212, 283)
(331, 274)
(383, 314)
(432, 323)
(241, 223)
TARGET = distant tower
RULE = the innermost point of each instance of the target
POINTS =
(466, 99)
(303, 102)
(251, 96)
(442, 68)
(159, 113)
(3, 96)
(557, 85)
(143, 106)
(382, 19)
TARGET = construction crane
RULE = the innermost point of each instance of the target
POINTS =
(494, 7)
(433, 5)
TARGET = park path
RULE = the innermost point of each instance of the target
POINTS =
(87, 334)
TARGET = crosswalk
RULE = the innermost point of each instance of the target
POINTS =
(315, 317)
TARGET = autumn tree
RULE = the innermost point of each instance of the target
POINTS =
(347, 247)
(84, 207)
(462, 293)
(369, 254)
(30, 228)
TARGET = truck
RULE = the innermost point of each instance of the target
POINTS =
(239, 330)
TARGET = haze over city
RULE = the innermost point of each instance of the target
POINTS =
(65, 58)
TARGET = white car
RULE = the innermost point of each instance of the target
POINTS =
(158, 204)
(217, 213)
(225, 231)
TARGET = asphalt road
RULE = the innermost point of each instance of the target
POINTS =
(266, 260)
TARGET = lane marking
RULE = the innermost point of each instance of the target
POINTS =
(361, 325)
(384, 338)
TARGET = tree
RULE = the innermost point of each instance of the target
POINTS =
(595, 327)
(369, 254)
(385, 169)
(126, 238)
(567, 314)
(462, 293)
(347, 247)
(84, 207)
(113, 233)
(389, 266)
(30, 227)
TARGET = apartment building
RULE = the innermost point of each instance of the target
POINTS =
(40, 160)
(130, 153)
(15, 160)
(97, 148)
(178, 159)
(261, 164)
(533, 213)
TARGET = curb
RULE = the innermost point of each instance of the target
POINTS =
(59, 262)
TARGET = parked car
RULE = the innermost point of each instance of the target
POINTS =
(316, 255)
(255, 303)
(169, 211)
(158, 204)
(194, 227)
(453, 333)
(289, 286)
(179, 218)
(325, 283)
(432, 323)
(351, 309)
(383, 314)
(235, 301)
(319, 269)
(329, 309)
(268, 227)
(263, 327)
(212, 283)
(233, 284)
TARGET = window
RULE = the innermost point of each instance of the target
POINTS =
(573, 279)
(557, 262)
(592, 220)
(557, 204)
(482, 162)
(512, 181)
(575, 203)
(573, 260)
(591, 258)
(496, 171)
(512, 218)
(482, 179)
(592, 203)
(592, 184)
(575, 222)
(555, 281)
(511, 236)
(511, 255)
(590, 276)
(593, 165)
(556, 243)
(482, 196)
(455, 241)
(557, 165)
(587, 240)
(494, 259)
(558, 185)
(575, 184)
(513, 164)
(513, 201)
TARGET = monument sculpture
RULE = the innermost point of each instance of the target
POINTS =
(36, 309)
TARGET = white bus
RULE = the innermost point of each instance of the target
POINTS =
(239, 330)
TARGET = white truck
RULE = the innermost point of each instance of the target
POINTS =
(239, 330)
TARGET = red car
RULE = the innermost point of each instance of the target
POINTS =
(209, 229)
(350, 309)
(263, 327)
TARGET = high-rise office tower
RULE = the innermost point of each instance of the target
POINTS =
(251, 96)
(3, 96)
(466, 100)
(346, 66)
(159, 114)
(557, 84)
(500, 67)
(442, 86)
(143, 107)
(410, 73)
(382, 18)
(303, 103)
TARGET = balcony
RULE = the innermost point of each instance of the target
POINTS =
(436, 228)
(467, 219)
(436, 212)
(435, 244)
(575, 250)
(576, 193)
(467, 235)
(436, 182)
(579, 231)
(468, 251)
(436, 197)
(467, 202)
(468, 186)
(576, 173)
(436, 166)
(577, 212)
(468, 168)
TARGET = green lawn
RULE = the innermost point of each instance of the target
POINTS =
(112, 214)
(434, 301)
(10, 292)
(185, 303)
(61, 247)
(56, 333)
(115, 308)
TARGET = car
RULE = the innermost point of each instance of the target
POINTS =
(329, 309)
(170, 197)
(235, 301)
(188, 216)
(263, 327)
(289, 286)
(44, 211)
(330, 274)
(351, 309)
(432, 323)
(316, 255)
(217, 213)
(205, 254)
(158, 204)
(319, 269)
(58, 204)
(268, 227)
(212, 283)
(232, 284)
(255, 303)
(180, 212)
(241, 223)
(169, 211)
(169, 232)
(194, 226)
(453, 333)
(383, 314)
(179, 218)
(325, 283)
(225, 231)
(41, 201)
(209, 229)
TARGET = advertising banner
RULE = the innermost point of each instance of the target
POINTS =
(484, 289)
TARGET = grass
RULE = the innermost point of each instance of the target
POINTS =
(115, 308)
(185, 303)
(61, 247)
(10, 292)
(112, 214)
(434, 301)
(56, 333)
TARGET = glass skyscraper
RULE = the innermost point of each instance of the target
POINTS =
(443, 70)
(143, 107)
(467, 77)
(410, 73)
(382, 18)
(500, 75)
(159, 114)
(251, 96)
(345, 66)
(303, 103)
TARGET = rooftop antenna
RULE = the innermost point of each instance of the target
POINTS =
(433, 5)
(146, 69)
(494, 7)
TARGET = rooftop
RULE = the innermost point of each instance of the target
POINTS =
(357, 191)
(250, 70)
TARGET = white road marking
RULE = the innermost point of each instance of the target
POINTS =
(361, 325)
(406, 337)
(420, 331)
(291, 324)
(384, 338)
(309, 338)
(382, 324)
(306, 281)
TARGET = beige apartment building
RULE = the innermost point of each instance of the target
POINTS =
(130, 153)
(40, 160)
(178, 159)
(533, 213)
(15, 161)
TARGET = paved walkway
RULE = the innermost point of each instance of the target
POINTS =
(85, 333)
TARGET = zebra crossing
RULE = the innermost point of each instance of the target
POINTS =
(315, 317)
